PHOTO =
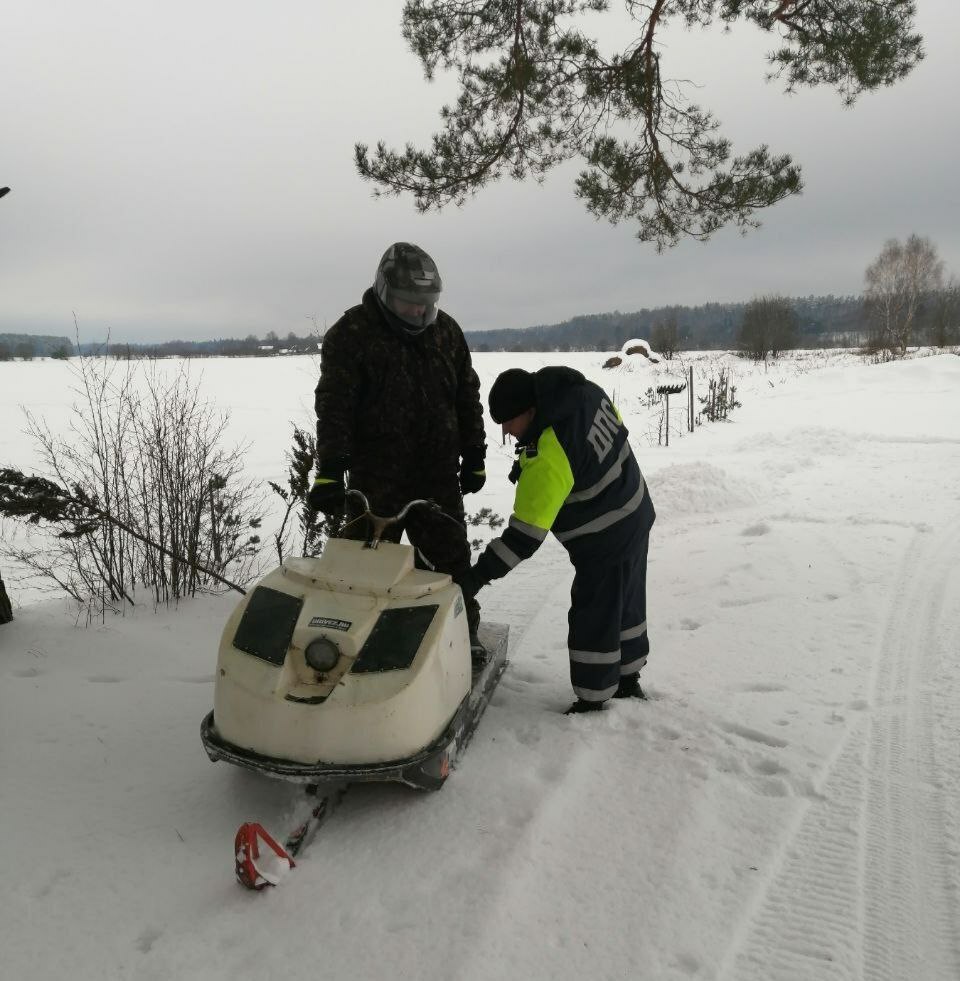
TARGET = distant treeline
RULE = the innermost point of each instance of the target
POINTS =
(27, 346)
(823, 321)
(224, 347)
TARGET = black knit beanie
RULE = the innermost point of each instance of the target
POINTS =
(512, 394)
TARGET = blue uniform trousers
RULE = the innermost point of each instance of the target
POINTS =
(608, 624)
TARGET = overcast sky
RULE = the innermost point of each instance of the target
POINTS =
(186, 170)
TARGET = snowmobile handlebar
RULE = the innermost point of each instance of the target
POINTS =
(379, 523)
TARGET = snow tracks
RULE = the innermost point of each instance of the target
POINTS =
(867, 884)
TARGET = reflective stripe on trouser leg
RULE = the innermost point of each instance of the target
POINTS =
(634, 642)
(594, 635)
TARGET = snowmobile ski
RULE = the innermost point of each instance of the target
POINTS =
(261, 861)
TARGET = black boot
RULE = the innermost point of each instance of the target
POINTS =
(478, 653)
(580, 705)
(629, 687)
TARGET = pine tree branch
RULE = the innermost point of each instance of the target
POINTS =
(535, 92)
(34, 499)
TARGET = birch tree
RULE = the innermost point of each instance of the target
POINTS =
(897, 282)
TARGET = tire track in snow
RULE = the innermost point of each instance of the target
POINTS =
(867, 885)
(911, 928)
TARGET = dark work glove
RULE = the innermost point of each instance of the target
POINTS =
(327, 493)
(470, 583)
(472, 473)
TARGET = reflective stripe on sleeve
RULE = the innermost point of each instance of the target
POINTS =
(527, 529)
(508, 557)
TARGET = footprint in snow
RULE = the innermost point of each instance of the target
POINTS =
(772, 787)
(769, 767)
(56, 878)
(668, 733)
(688, 963)
(754, 735)
(147, 939)
(528, 735)
(527, 676)
(732, 604)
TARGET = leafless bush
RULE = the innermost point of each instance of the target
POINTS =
(945, 321)
(149, 452)
(769, 327)
(665, 337)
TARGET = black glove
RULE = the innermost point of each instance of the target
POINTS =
(470, 583)
(472, 473)
(328, 491)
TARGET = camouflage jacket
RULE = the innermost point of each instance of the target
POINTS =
(392, 404)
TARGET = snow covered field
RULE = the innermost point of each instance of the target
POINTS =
(786, 805)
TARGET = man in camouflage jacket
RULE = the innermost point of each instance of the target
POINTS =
(398, 407)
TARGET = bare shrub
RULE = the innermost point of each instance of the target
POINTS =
(665, 337)
(769, 327)
(150, 456)
(945, 319)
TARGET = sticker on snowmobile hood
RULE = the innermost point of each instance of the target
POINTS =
(331, 623)
(458, 606)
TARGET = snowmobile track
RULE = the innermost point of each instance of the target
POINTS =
(867, 886)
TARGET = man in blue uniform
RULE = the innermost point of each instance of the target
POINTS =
(577, 476)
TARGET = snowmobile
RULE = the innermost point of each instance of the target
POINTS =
(353, 666)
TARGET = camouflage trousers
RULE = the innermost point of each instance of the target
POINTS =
(440, 540)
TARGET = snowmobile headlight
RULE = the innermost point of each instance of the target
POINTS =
(322, 654)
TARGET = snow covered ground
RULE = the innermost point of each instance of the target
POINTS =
(786, 804)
